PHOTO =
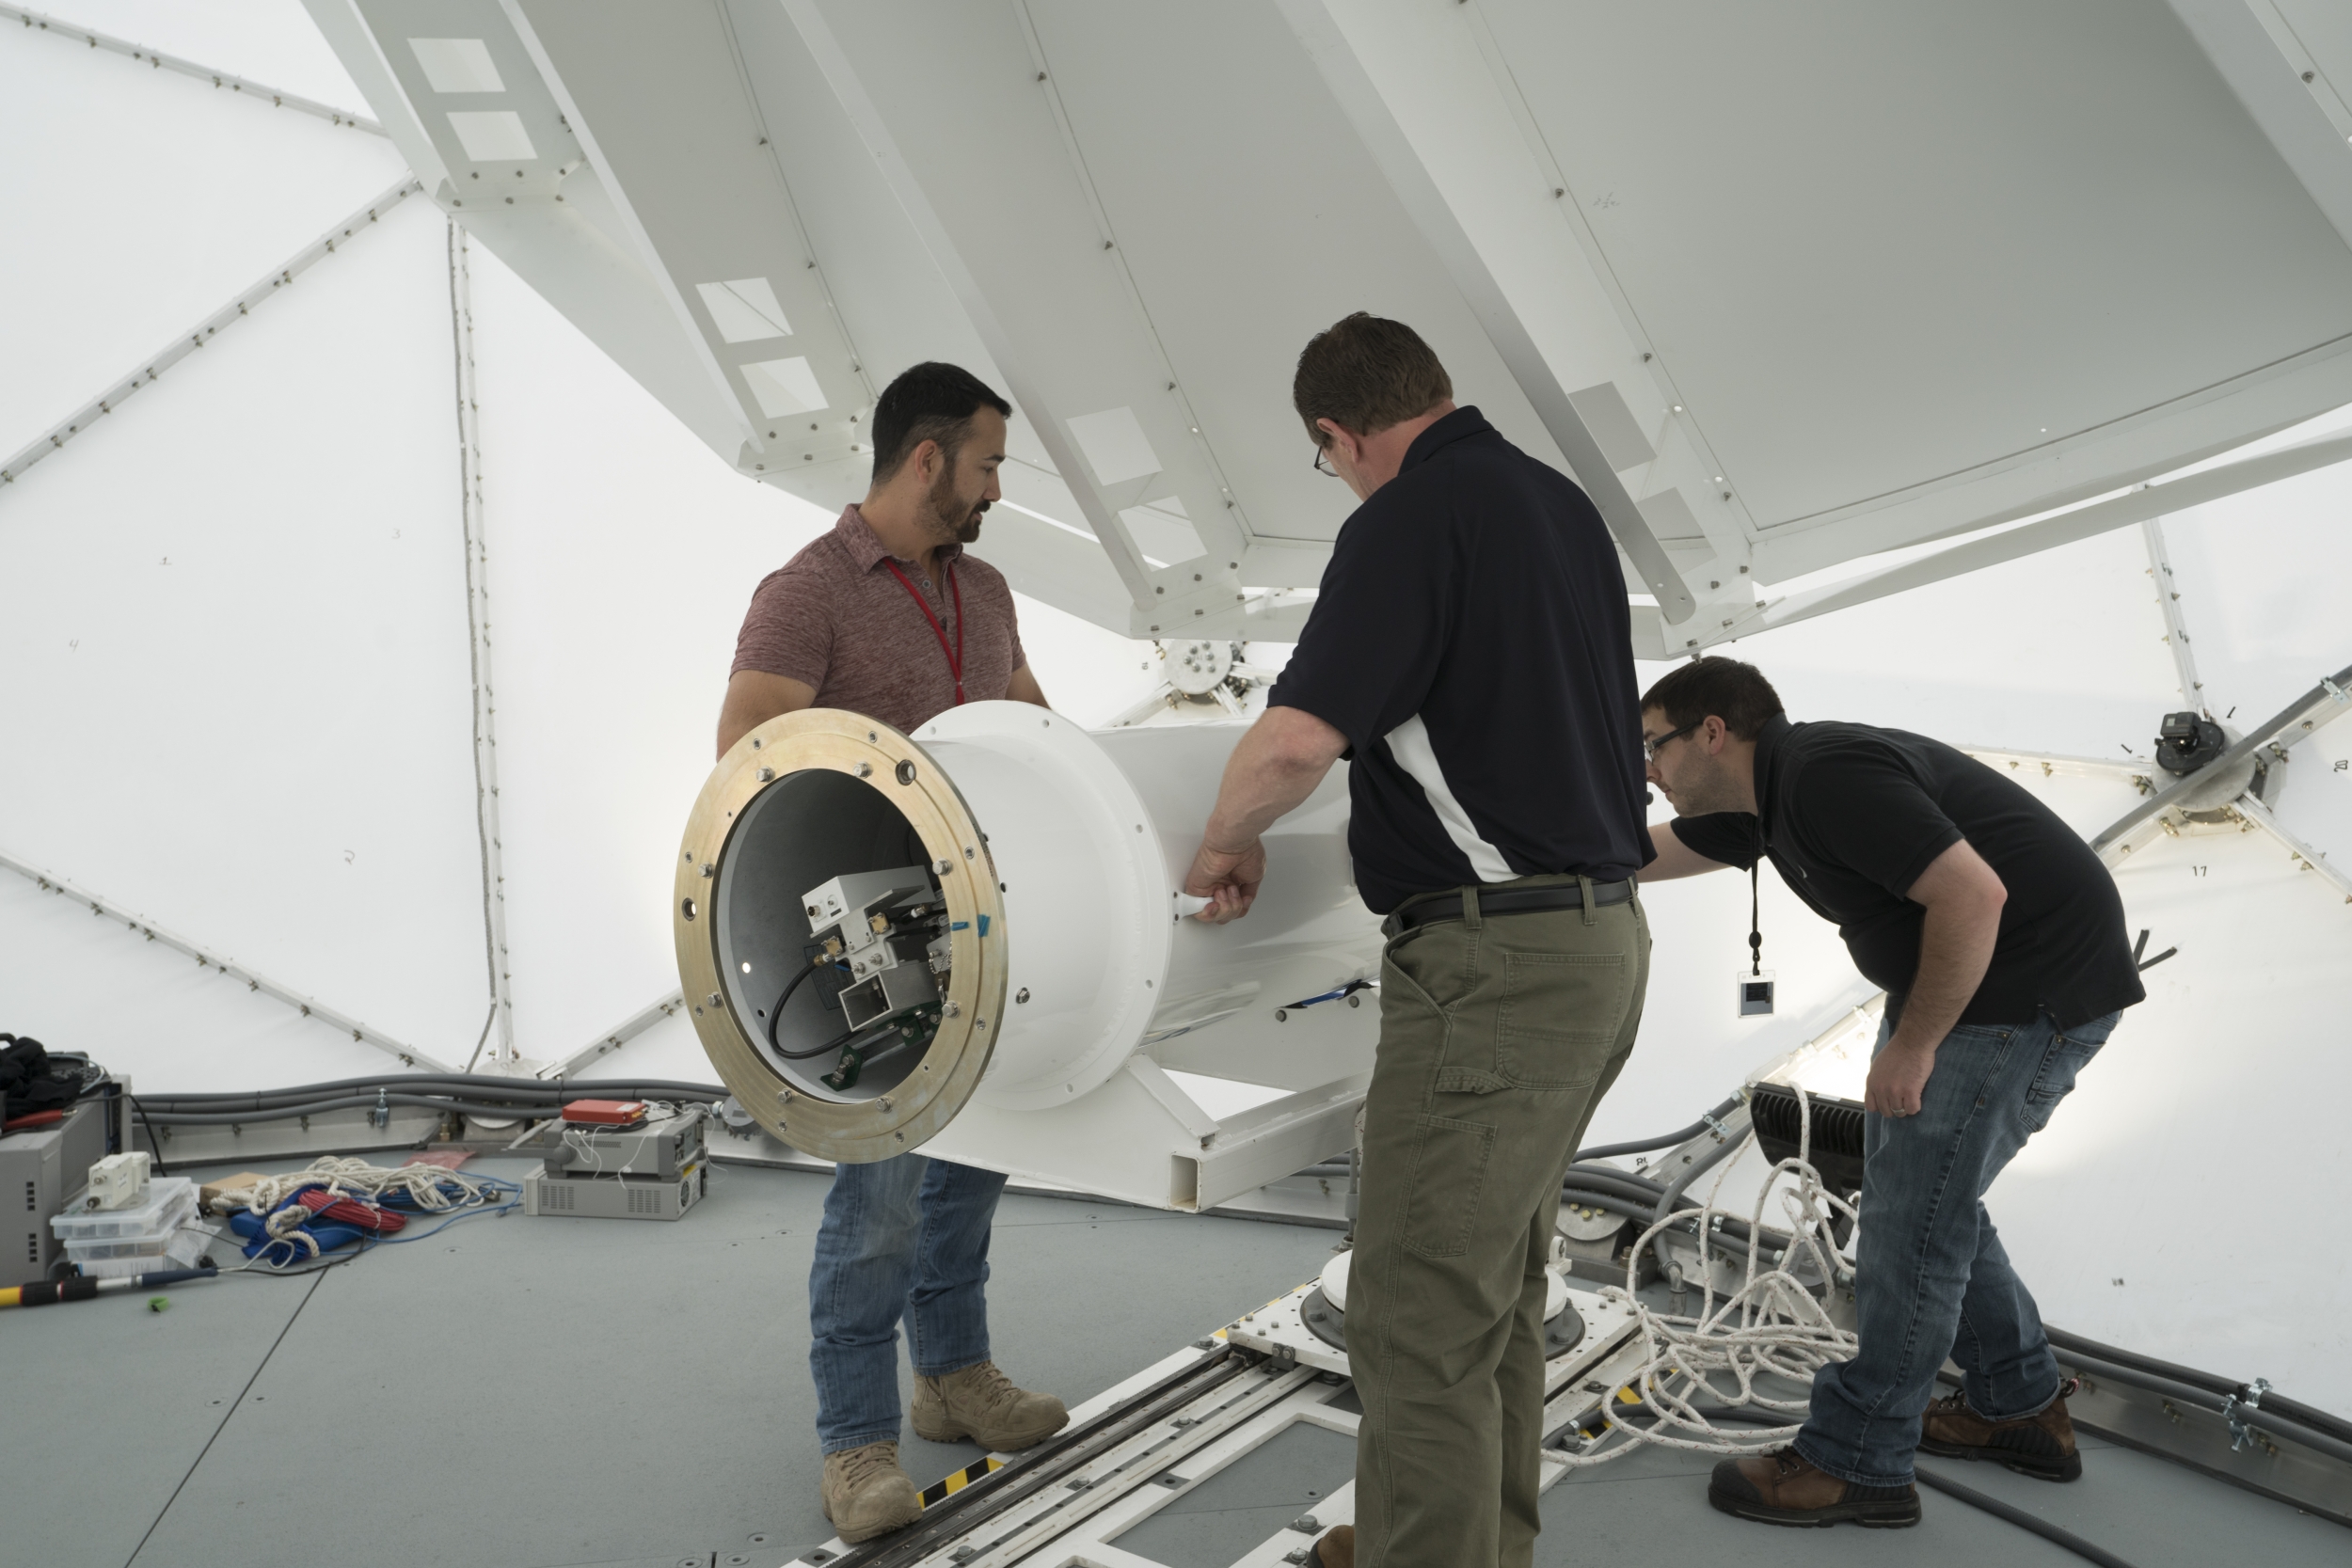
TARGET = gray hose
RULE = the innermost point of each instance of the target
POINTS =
(2272, 1401)
(346, 1102)
(1645, 1145)
(484, 1087)
(1697, 1168)
(2260, 1417)
(2023, 1520)
(1639, 1211)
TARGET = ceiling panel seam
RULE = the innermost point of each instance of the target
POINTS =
(210, 959)
(157, 61)
(2088, 435)
(187, 342)
(2156, 498)
(613, 1038)
(486, 770)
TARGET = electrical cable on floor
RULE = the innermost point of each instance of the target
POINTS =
(2021, 1520)
(2056, 1535)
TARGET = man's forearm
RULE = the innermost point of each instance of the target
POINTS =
(1276, 766)
(1956, 943)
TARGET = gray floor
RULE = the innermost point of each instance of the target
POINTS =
(557, 1393)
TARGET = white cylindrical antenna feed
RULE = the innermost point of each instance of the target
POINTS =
(988, 912)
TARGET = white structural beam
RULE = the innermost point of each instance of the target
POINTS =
(155, 59)
(1037, 266)
(2321, 705)
(2175, 624)
(2082, 522)
(1418, 188)
(485, 754)
(696, 187)
(616, 1036)
(205, 332)
(1132, 216)
(2132, 770)
(2254, 49)
(209, 958)
(2301, 853)
(554, 225)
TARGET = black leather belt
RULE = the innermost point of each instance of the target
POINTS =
(1524, 900)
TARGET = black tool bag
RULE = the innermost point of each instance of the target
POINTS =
(29, 1081)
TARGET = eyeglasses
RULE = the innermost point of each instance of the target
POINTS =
(1649, 746)
(1325, 469)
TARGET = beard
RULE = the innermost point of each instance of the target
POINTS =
(954, 518)
(1704, 795)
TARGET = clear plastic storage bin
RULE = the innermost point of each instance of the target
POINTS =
(170, 1203)
(178, 1249)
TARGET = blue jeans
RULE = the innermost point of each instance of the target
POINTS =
(904, 1236)
(1930, 1280)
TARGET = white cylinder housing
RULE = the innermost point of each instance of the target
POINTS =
(1054, 859)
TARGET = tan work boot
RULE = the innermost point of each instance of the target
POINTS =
(866, 1493)
(981, 1405)
(1337, 1549)
(1780, 1488)
(2039, 1445)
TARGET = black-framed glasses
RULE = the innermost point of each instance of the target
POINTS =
(1649, 746)
(1325, 469)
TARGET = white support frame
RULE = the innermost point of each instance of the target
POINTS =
(841, 74)
(2153, 499)
(486, 756)
(205, 330)
(618, 1036)
(2175, 625)
(1418, 191)
(2321, 705)
(157, 61)
(2303, 855)
(208, 958)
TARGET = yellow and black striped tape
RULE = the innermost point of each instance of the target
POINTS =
(941, 1490)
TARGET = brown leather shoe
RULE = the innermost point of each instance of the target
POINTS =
(1337, 1549)
(865, 1494)
(2041, 1446)
(981, 1403)
(1779, 1488)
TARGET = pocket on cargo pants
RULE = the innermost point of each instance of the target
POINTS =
(1450, 1161)
(1429, 987)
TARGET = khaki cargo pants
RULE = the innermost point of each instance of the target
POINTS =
(1498, 1037)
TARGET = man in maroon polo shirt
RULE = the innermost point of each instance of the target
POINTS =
(887, 617)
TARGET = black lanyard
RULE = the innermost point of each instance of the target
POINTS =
(1755, 933)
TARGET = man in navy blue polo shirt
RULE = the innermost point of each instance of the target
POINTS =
(1470, 653)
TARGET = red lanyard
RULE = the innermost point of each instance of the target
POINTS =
(954, 655)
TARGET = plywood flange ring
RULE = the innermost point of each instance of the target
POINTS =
(854, 1131)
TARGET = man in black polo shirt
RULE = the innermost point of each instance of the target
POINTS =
(1470, 652)
(1999, 938)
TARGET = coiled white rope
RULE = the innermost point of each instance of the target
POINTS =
(1771, 1325)
(350, 1176)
